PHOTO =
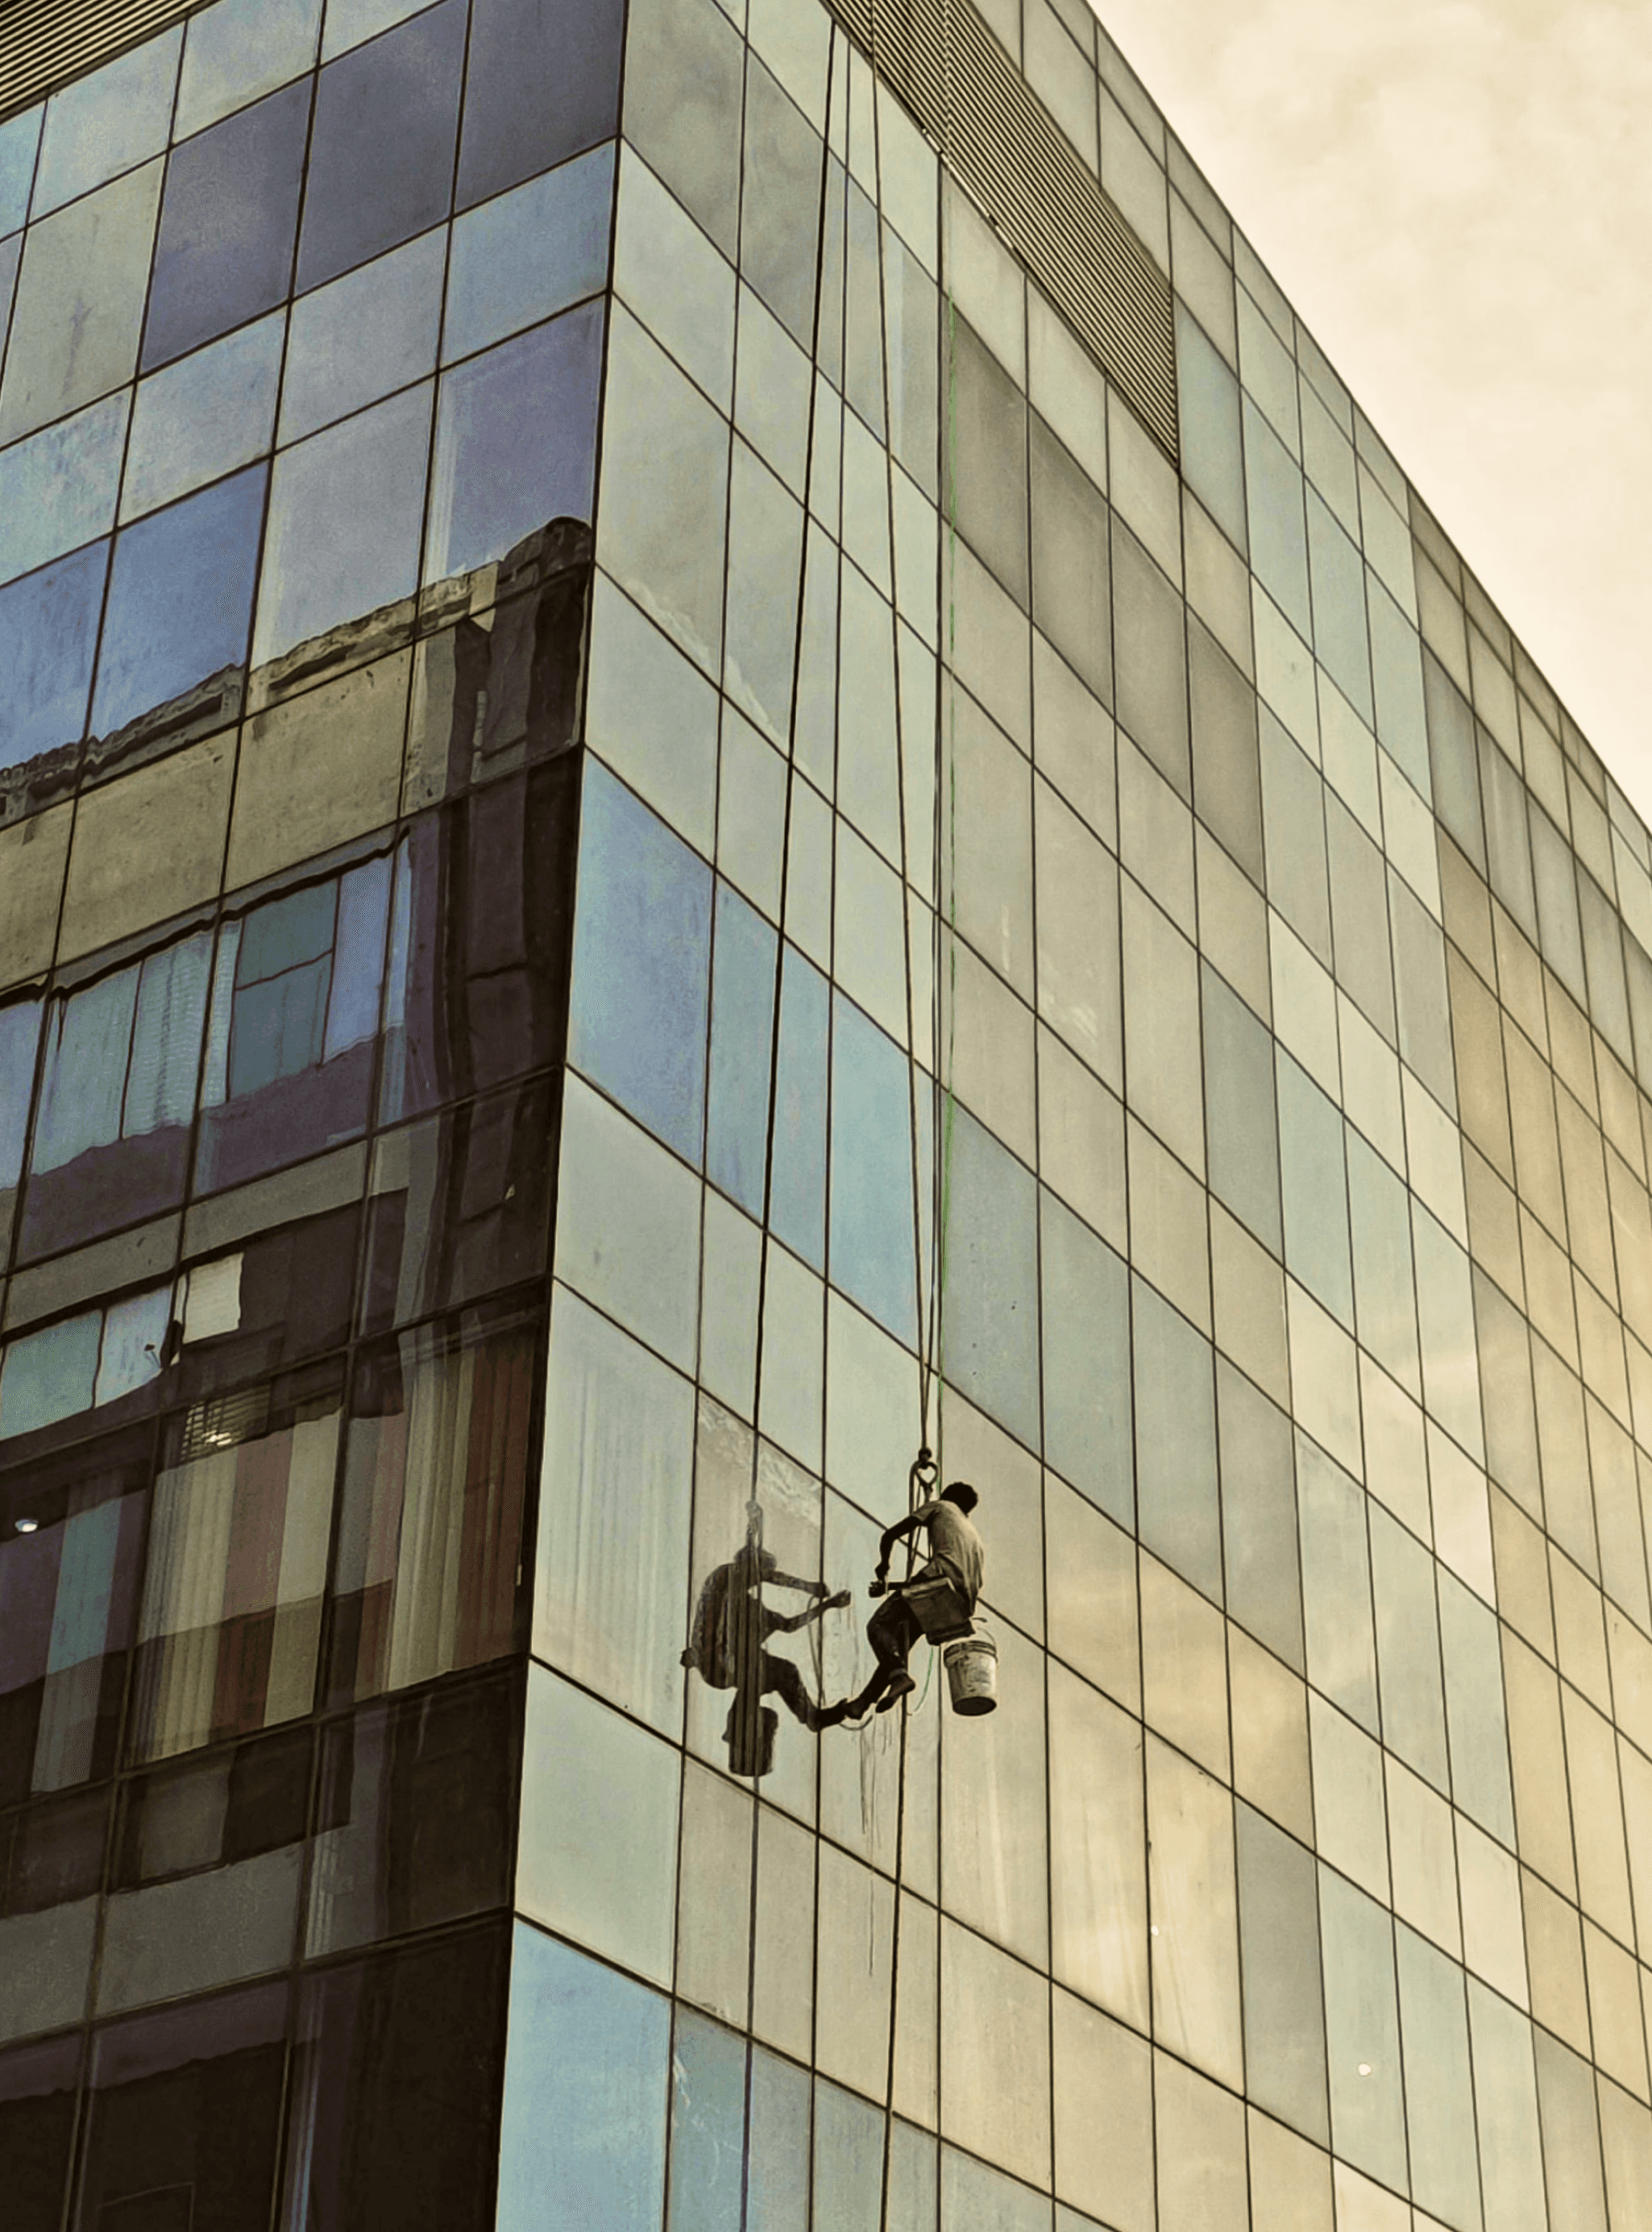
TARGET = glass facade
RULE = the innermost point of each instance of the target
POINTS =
(652, 851)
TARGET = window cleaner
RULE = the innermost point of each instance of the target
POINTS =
(937, 1602)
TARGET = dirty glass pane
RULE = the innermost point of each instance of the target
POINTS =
(382, 153)
(707, 2124)
(225, 247)
(872, 1192)
(345, 513)
(180, 600)
(106, 122)
(684, 69)
(356, 340)
(79, 306)
(642, 958)
(1149, 653)
(1071, 580)
(203, 417)
(239, 49)
(529, 254)
(49, 624)
(1175, 1410)
(58, 488)
(542, 82)
(19, 143)
(515, 443)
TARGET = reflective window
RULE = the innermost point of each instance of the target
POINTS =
(991, 1315)
(1087, 1395)
(239, 49)
(1340, 635)
(79, 306)
(19, 1038)
(19, 143)
(37, 2089)
(1278, 540)
(225, 251)
(1241, 1124)
(117, 1096)
(382, 153)
(742, 992)
(437, 1453)
(641, 955)
(180, 600)
(203, 417)
(1209, 401)
(986, 459)
(356, 340)
(106, 122)
(59, 488)
(97, 1357)
(542, 82)
(515, 443)
(1069, 564)
(397, 2065)
(797, 1208)
(1175, 1449)
(1151, 660)
(873, 1179)
(49, 624)
(184, 2111)
(230, 1619)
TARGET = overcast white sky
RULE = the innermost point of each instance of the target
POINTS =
(1457, 197)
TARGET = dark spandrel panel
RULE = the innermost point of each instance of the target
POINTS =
(986, 459)
(543, 82)
(49, 624)
(180, 601)
(382, 152)
(585, 2087)
(37, 2089)
(52, 1854)
(1070, 579)
(1150, 659)
(682, 107)
(215, 1812)
(460, 1206)
(415, 1815)
(183, 2118)
(780, 227)
(392, 2126)
(1177, 1501)
(68, 1589)
(1227, 783)
(641, 957)
(1086, 1361)
(480, 933)
(515, 443)
(437, 1450)
(237, 1565)
(1285, 2025)
(226, 245)
(1259, 1516)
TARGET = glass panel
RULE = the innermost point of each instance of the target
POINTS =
(515, 443)
(1336, 1585)
(50, 1375)
(214, 410)
(1454, 761)
(19, 1041)
(382, 153)
(1149, 653)
(37, 2089)
(1228, 786)
(225, 247)
(1208, 403)
(184, 2115)
(1176, 1411)
(1340, 635)
(67, 1588)
(530, 253)
(682, 111)
(398, 2063)
(797, 1206)
(707, 2125)
(1241, 1122)
(79, 305)
(542, 82)
(585, 2077)
(435, 1470)
(49, 624)
(1284, 2024)
(1314, 1185)
(1278, 542)
(180, 600)
(106, 122)
(1408, 1639)
(1087, 1394)
(414, 1815)
(991, 1313)
(19, 143)
(1071, 580)
(874, 1183)
(346, 509)
(1362, 2030)
(743, 995)
(1259, 1516)
(59, 489)
(356, 340)
(985, 491)
(1098, 1889)
(1396, 661)
(239, 49)
(230, 1619)
(642, 958)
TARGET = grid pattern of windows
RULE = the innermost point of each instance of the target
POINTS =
(522, 957)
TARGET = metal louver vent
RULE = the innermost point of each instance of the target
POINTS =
(43, 43)
(1000, 141)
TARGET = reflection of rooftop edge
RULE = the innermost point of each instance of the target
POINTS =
(546, 555)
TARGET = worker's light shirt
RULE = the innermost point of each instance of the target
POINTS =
(954, 1544)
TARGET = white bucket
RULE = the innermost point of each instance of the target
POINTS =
(972, 1674)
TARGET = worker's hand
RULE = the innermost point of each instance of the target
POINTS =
(690, 1658)
(843, 1597)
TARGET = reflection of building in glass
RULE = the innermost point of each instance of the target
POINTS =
(653, 686)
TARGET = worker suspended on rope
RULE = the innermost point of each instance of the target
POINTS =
(732, 1625)
(937, 1601)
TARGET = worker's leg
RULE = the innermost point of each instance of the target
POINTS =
(784, 1678)
(891, 1631)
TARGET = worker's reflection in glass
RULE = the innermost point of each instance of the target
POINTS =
(727, 1647)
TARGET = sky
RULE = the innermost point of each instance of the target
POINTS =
(1456, 195)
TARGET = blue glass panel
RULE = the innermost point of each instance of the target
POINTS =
(797, 1203)
(225, 251)
(286, 934)
(49, 624)
(346, 509)
(543, 81)
(975, 2198)
(86, 1045)
(1086, 1361)
(1278, 538)
(776, 2178)
(369, 333)
(742, 1034)
(19, 1038)
(57, 490)
(19, 139)
(133, 1332)
(50, 1375)
(530, 253)
(707, 2125)
(872, 1175)
(10, 251)
(516, 442)
(382, 154)
(358, 955)
(1175, 1443)
(848, 2161)
(642, 959)
(584, 2093)
(203, 417)
(179, 599)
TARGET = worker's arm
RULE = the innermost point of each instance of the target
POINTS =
(895, 1534)
(697, 1637)
(813, 1612)
(791, 1581)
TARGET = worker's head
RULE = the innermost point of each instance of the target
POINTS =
(960, 1493)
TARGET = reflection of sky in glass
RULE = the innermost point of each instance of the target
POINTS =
(202, 416)
(530, 254)
(58, 488)
(47, 635)
(515, 441)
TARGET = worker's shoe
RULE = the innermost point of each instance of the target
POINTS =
(828, 1716)
(901, 1687)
